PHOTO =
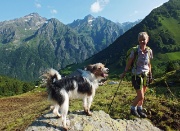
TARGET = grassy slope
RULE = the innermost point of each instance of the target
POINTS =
(162, 104)
(172, 26)
(17, 112)
(173, 56)
(174, 30)
(166, 57)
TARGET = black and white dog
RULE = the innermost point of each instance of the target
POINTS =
(83, 87)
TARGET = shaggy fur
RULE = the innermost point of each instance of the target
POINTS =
(83, 87)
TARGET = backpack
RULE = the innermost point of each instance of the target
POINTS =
(135, 49)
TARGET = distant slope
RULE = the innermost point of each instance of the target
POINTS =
(174, 56)
(162, 25)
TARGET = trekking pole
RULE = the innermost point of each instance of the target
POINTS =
(115, 95)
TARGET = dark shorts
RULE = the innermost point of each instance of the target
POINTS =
(139, 82)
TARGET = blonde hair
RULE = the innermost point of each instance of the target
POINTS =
(143, 34)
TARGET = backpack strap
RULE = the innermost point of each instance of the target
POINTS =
(135, 55)
(148, 50)
(135, 49)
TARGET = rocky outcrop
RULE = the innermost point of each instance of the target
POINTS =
(99, 121)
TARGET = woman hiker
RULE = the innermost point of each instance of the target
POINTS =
(141, 73)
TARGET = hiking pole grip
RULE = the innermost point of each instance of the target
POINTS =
(115, 94)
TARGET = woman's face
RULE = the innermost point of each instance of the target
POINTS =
(143, 40)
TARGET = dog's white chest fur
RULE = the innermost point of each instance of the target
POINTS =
(90, 78)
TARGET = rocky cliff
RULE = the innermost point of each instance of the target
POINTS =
(99, 121)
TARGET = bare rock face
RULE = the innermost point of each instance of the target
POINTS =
(99, 121)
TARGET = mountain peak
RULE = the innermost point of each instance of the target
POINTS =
(89, 18)
(33, 15)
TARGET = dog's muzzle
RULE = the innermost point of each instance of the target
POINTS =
(106, 71)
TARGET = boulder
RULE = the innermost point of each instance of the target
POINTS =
(99, 121)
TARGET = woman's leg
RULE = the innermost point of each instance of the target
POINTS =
(140, 103)
(139, 97)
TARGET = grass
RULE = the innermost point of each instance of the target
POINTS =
(173, 56)
(162, 104)
(17, 112)
(168, 24)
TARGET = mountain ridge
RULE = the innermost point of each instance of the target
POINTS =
(33, 43)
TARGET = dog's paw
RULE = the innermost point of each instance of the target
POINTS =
(58, 115)
(66, 128)
(51, 108)
(89, 113)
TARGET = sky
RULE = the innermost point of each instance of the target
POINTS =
(67, 11)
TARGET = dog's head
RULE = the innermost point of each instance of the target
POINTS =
(98, 70)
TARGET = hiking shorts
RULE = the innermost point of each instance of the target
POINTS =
(139, 81)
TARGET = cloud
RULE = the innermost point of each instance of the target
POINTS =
(98, 5)
(37, 5)
(53, 11)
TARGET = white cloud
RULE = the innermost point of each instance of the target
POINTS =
(53, 11)
(98, 5)
(37, 5)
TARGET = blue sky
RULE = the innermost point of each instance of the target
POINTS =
(67, 11)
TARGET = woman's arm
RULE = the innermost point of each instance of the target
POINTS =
(127, 67)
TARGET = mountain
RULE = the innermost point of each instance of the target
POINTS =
(128, 25)
(14, 31)
(101, 30)
(162, 25)
(31, 44)
(58, 44)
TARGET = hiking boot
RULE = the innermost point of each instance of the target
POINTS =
(141, 113)
(134, 113)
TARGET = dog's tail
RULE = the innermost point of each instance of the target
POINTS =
(48, 78)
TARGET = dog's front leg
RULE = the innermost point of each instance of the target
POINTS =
(89, 102)
(85, 106)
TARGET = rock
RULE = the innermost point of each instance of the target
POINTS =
(113, 82)
(99, 121)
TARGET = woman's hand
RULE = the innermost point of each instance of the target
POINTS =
(123, 74)
(150, 77)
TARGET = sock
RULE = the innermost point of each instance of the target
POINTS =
(139, 108)
(133, 107)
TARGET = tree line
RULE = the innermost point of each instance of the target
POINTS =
(12, 86)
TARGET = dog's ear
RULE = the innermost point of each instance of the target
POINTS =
(90, 68)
